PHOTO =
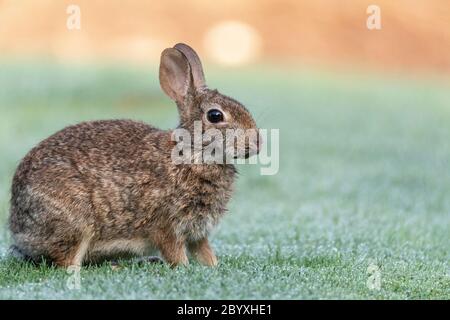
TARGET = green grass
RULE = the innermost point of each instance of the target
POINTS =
(364, 180)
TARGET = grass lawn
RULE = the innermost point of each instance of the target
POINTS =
(363, 187)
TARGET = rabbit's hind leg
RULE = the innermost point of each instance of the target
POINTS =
(63, 251)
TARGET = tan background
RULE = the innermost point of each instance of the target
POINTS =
(415, 35)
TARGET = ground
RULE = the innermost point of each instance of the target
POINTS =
(361, 194)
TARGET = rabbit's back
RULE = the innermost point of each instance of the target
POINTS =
(93, 151)
(113, 144)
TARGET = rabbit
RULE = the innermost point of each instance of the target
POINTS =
(103, 189)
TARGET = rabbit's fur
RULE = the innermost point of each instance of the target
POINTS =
(105, 188)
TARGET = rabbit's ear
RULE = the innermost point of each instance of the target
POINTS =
(195, 64)
(175, 74)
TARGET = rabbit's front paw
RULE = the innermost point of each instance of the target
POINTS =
(174, 253)
(203, 252)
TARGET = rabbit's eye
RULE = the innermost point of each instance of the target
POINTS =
(215, 116)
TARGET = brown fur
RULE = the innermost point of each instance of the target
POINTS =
(101, 188)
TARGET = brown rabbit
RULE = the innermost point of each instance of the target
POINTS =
(102, 189)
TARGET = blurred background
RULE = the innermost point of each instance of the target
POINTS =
(364, 119)
(415, 34)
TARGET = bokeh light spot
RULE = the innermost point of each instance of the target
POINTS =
(232, 43)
